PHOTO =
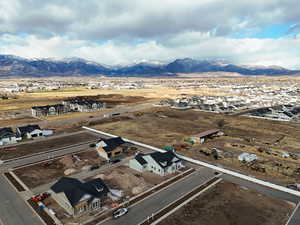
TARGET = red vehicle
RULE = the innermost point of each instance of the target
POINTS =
(39, 198)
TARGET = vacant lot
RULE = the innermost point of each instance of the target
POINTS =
(163, 126)
(17, 121)
(44, 145)
(131, 181)
(44, 173)
(230, 204)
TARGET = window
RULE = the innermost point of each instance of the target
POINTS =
(80, 209)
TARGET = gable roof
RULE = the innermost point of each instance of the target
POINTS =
(46, 107)
(74, 189)
(29, 128)
(6, 132)
(83, 101)
(113, 143)
(140, 159)
(164, 159)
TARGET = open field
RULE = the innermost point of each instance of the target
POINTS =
(44, 145)
(230, 204)
(17, 111)
(163, 126)
(18, 121)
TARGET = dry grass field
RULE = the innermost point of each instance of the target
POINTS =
(162, 126)
(230, 204)
(44, 144)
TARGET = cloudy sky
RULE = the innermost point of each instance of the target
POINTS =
(265, 32)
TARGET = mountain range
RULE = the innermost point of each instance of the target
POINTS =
(14, 66)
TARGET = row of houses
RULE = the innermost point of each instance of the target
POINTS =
(232, 103)
(8, 136)
(70, 105)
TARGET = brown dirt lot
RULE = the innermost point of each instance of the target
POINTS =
(163, 126)
(17, 121)
(42, 173)
(44, 145)
(131, 181)
(230, 204)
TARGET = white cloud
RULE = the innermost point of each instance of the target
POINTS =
(281, 52)
(116, 31)
(117, 19)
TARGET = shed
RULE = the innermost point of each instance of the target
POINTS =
(206, 134)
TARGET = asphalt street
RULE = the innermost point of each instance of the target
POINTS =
(263, 189)
(153, 204)
(13, 209)
(295, 220)
(44, 156)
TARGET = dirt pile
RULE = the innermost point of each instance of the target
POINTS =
(128, 182)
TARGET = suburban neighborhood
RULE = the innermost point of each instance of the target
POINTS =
(174, 112)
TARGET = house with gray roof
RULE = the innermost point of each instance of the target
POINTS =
(161, 163)
(30, 131)
(110, 148)
(7, 136)
(78, 197)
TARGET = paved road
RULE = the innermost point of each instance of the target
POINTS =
(45, 155)
(262, 189)
(295, 220)
(142, 210)
(13, 209)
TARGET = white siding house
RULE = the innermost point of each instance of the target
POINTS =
(161, 163)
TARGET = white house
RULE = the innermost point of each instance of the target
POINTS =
(7, 136)
(30, 131)
(161, 163)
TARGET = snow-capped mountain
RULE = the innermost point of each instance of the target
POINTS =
(16, 66)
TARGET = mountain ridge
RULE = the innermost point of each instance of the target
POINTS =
(15, 66)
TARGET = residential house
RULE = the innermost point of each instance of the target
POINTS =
(161, 163)
(77, 197)
(47, 110)
(7, 136)
(30, 131)
(110, 148)
(83, 105)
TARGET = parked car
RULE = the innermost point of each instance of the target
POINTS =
(120, 212)
(94, 167)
